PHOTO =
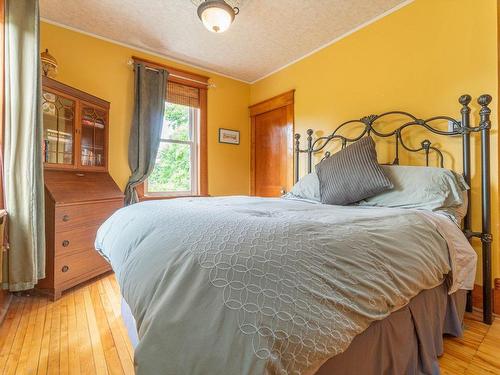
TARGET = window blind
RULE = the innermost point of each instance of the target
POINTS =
(183, 95)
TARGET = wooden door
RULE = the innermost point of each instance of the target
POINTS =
(272, 146)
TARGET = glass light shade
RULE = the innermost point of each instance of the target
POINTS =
(216, 15)
(49, 64)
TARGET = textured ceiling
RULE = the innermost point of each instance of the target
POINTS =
(265, 36)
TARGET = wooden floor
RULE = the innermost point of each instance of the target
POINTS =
(82, 333)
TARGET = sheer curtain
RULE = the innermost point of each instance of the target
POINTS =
(23, 169)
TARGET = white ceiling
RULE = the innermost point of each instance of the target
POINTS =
(265, 36)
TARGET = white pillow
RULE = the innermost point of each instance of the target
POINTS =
(424, 188)
(306, 188)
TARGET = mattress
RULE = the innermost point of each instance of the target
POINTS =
(409, 341)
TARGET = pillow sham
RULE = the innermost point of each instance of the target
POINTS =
(352, 174)
(306, 188)
(426, 188)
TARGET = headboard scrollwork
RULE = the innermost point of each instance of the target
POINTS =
(370, 126)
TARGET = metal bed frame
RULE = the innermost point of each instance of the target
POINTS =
(461, 128)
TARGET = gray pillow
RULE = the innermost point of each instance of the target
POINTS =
(424, 188)
(352, 174)
(306, 188)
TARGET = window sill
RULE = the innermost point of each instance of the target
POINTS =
(161, 197)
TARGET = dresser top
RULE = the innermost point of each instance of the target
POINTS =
(73, 187)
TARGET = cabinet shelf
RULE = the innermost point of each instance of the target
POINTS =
(54, 117)
(93, 125)
(60, 152)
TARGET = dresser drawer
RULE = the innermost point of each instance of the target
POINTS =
(89, 214)
(74, 268)
(76, 239)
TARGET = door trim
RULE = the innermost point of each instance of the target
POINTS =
(287, 100)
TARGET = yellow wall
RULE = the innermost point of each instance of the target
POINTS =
(100, 68)
(420, 58)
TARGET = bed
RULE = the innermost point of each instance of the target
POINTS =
(248, 285)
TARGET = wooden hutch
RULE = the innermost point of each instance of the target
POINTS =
(79, 192)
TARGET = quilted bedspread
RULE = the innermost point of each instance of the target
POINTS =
(242, 285)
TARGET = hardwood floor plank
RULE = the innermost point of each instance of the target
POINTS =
(64, 339)
(83, 333)
(113, 297)
(450, 364)
(36, 340)
(115, 302)
(86, 355)
(122, 343)
(476, 368)
(44, 347)
(115, 286)
(112, 359)
(73, 341)
(8, 329)
(30, 331)
(487, 358)
(17, 344)
(55, 339)
(97, 349)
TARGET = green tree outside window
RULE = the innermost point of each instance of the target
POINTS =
(172, 171)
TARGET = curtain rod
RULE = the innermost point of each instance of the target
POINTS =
(209, 85)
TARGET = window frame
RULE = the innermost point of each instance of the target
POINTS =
(201, 83)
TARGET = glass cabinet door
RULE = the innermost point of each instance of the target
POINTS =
(93, 137)
(58, 128)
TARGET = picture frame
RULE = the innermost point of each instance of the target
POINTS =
(229, 136)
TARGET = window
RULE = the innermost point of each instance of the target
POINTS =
(177, 168)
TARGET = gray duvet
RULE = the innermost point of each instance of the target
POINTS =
(242, 285)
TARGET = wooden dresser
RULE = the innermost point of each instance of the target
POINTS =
(79, 192)
(76, 204)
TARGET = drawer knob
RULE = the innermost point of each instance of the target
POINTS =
(65, 243)
(65, 218)
(65, 269)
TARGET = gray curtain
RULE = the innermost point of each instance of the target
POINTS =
(24, 190)
(149, 107)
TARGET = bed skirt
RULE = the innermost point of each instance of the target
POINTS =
(409, 341)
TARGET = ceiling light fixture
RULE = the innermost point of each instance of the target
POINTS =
(217, 15)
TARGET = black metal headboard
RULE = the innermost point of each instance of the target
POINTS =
(463, 128)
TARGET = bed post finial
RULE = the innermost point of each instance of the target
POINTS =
(484, 100)
(309, 137)
(297, 152)
(309, 150)
(465, 100)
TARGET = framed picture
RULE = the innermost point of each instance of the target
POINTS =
(229, 136)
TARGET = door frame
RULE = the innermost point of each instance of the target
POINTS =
(287, 100)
